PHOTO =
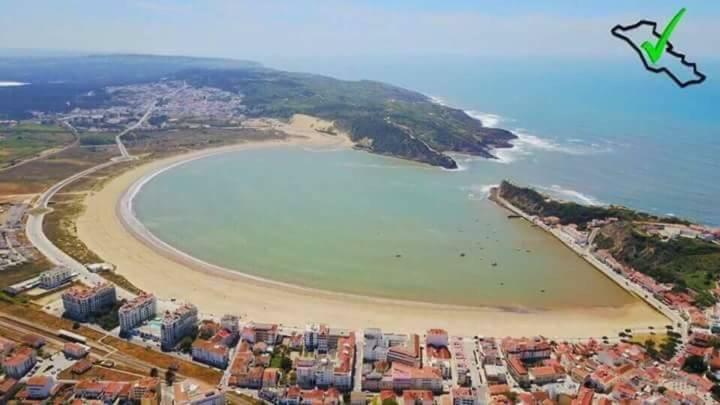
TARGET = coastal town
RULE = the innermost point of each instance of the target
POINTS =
(322, 364)
(79, 332)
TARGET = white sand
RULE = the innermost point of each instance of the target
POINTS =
(172, 275)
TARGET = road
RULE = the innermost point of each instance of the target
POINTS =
(620, 280)
(118, 139)
(34, 225)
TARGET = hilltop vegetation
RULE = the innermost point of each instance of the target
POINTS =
(381, 118)
(535, 203)
(688, 263)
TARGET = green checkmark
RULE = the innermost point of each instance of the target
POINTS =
(655, 51)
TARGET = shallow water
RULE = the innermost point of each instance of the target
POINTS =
(358, 223)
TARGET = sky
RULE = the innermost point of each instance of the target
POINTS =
(265, 30)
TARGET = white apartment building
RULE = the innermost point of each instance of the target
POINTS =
(81, 302)
(177, 324)
(138, 310)
(55, 277)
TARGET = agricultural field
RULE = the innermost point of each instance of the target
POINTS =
(26, 141)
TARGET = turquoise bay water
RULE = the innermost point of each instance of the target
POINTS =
(602, 130)
(337, 220)
(591, 131)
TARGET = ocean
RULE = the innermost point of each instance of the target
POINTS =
(605, 132)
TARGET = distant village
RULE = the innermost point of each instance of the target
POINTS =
(179, 106)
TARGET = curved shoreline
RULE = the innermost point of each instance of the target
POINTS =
(126, 215)
(173, 274)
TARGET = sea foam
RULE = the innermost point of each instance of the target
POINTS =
(570, 195)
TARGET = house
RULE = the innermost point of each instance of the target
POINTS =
(6, 346)
(75, 350)
(81, 366)
(545, 374)
(418, 397)
(33, 341)
(8, 388)
(146, 390)
(270, 377)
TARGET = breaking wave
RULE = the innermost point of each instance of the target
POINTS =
(479, 191)
(567, 194)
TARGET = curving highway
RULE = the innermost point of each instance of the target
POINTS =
(34, 225)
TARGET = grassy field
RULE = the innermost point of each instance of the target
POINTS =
(101, 373)
(155, 144)
(59, 226)
(23, 272)
(27, 140)
(163, 361)
(38, 175)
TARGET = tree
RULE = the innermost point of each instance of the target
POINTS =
(186, 344)
(169, 377)
(286, 364)
(668, 349)
(695, 365)
(715, 390)
(389, 401)
(651, 349)
(154, 372)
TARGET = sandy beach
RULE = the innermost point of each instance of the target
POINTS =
(153, 266)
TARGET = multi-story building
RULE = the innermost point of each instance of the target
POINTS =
(82, 302)
(406, 377)
(323, 339)
(19, 362)
(526, 349)
(136, 311)
(310, 337)
(343, 373)
(261, 332)
(211, 353)
(305, 372)
(55, 277)
(106, 391)
(437, 338)
(177, 324)
(231, 323)
(39, 387)
(408, 354)
(464, 396)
